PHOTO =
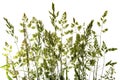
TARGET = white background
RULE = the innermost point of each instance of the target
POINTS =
(82, 10)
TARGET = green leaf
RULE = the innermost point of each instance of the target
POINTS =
(87, 68)
(77, 37)
(9, 78)
(92, 62)
(69, 32)
(89, 27)
(112, 49)
(25, 19)
(34, 35)
(93, 32)
(53, 7)
(50, 13)
(74, 20)
(72, 25)
(104, 21)
(105, 30)
(6, 44)
(90, 24)
(105, 14)
(108, 63)
(104, 47)
(98, 23)
(33, 27)
(57, 14)
(5, 66)
(10, 27)
(94, 54)
(21, 31)
(79, 27)
(113, 63)
(10, 46)
(66, 26)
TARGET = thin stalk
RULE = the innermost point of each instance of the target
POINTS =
(66, 70)
(7, 67)
(83, 69)
(103, 66)
(27, 59)
(26, 48)
(103, 59)
(60, 51)
(58, 69)
(77, 74)
(38, 41)
(79, 68)
(96, 69)
(36, 67)
(98, 56)
(14, 70)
